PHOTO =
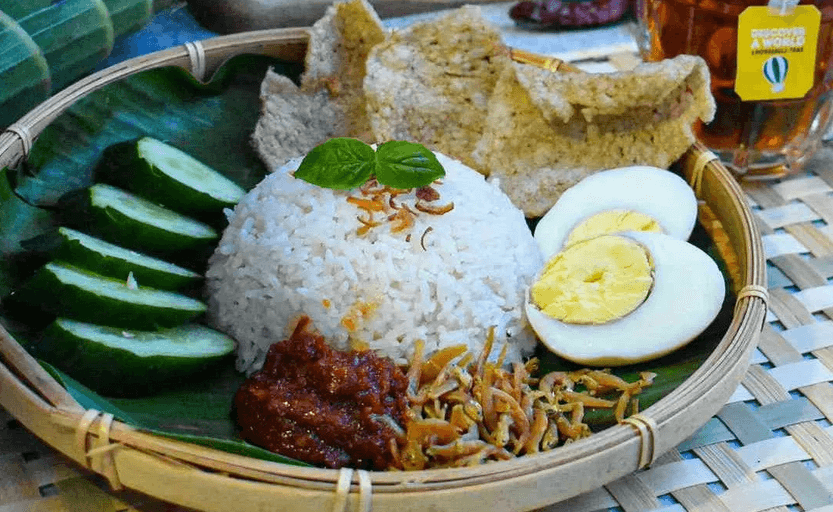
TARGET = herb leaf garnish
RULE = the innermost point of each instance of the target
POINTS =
(401, 164)
(345, 163)
(341, 163)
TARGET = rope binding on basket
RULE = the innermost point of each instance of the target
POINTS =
(753, 290)
(25, 137)
(196, 53)
(345, 479)
(647, 429)
(704, 159)
(99, 457)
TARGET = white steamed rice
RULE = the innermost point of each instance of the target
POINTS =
(292, 248)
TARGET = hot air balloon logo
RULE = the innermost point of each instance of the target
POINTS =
(775, 72)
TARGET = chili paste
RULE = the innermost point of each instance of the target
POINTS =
(323, 406)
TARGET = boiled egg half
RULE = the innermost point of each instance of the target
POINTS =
(637, 198)
(624, 287)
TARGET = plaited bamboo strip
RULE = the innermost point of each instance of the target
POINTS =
(825, 172)
(695, 496)
(810, 237)
(714, 431)
(811, 437)
(788, 309)
(786, 215)
(677, 474)
(734, 468)
(632, 494)
(788, 412)
(801, 187)
(771, 452)
(798, 270)
(700, 498)
(824, 264)
(820, 203)
(777, 279)
(767, 495)
(792, 345)
(763, 195)
(777, 245)
(745, 425)
(729, 468)
(809, 492)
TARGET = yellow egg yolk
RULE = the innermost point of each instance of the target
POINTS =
(595, 281)
(612, 221)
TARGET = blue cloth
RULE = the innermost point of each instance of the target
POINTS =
(175, 25)
(170, 27)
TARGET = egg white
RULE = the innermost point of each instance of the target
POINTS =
(686, 297)
(658, 193)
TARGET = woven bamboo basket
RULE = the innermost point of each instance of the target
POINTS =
(211, 480)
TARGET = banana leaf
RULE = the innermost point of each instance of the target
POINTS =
(213, 122)
(195, 414)
(129, 15)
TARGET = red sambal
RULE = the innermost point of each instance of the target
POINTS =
(323, 406)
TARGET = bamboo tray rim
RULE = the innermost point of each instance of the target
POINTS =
(46, 408)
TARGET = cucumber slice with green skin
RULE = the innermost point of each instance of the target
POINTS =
(129, 15)
(116, 362)
(167, 175)
(25, 80)
(132, 222)
(75, 35)
(19, 8)
(111, 260)
(68, 291)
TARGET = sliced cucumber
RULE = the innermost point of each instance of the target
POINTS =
(118, 362)
(166, 175)
(132, 222)
(75, 35)
(65, 290)
(24, 73)
(111, 260)
(20, 8)
(129, 15)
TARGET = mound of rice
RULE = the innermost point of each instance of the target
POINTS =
(293, 249)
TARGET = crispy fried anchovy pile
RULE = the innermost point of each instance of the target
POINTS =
(466, 411)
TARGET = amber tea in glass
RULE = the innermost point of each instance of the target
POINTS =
(760, 138)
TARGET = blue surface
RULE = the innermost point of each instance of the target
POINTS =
(170, 27)
(175, 25)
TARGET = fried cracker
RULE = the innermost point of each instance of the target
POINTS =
(545, 131)
(292, 122)
(431, 82)
(335, 61)
(330, 101)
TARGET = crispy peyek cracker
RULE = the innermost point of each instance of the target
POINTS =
(431, 82)
(330, 101)
(339, 45)
(292, 122)
(545, 131)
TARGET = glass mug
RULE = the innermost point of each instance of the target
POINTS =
(756, 139)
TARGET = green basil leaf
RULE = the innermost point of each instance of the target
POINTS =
(402, 164)
(341, 163)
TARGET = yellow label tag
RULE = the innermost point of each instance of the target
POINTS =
(776, 52)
